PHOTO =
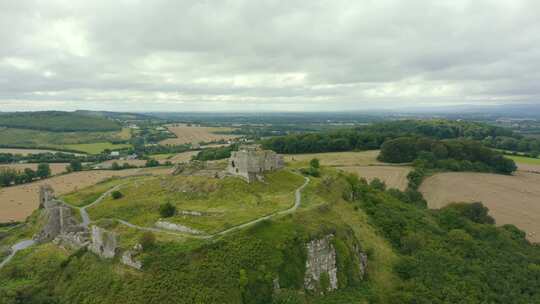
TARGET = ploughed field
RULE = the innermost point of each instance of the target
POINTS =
(190, 134)
(18, 202)
(510, 199)
(56, 168)
(206, 204)
(364, 163)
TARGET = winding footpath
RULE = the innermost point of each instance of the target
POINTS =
(86, 221)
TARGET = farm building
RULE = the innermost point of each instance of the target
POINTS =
(251, 161)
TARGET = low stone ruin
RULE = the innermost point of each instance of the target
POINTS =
(128, 257)
(176, 227)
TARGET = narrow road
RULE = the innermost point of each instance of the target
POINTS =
(84, 214)
(17, 247)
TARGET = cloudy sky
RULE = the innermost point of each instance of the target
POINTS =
(260, 55)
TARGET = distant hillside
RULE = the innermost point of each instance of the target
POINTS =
(115, 115)
(58, 122)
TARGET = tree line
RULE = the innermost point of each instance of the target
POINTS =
(372, 137)
(452, 154)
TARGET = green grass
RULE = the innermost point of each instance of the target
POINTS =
(524, 160)
(224, 203)
(96, 148)
(88, 195)
(21, 138)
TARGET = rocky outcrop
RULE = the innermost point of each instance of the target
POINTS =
(321, 262)
(176, 227)
(103, 242)
(362, 261)
(128, 257)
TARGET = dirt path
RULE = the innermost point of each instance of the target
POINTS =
(17, 247)
(297, 203)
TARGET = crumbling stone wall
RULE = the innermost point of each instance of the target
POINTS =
(103, 242)
(59, 219)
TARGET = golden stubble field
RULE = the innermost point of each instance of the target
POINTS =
(510, 199)
(191, 134)
(18, 202)
(364, 163)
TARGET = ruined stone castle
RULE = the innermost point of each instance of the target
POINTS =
(250, 162)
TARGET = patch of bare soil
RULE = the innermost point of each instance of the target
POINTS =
(18, 202)
(510, 199)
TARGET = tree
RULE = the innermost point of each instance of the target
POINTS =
(117, 195)
(152, 163)
(115, 166)
(43, 170)
(75, 165)
(29, 175)
(314, 163)
(167, 210)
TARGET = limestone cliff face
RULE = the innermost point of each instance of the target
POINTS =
(321, 261)
(321, 273)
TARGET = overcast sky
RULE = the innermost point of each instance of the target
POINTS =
(258, 55)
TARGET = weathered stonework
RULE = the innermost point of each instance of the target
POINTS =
(321, 259)
(176, 227)
(46, 194)
(250, 162)
(103, 242)
(58, 220)
(128, 257)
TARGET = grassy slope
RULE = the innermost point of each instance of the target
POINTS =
(88, 195)
(58, 122)
(209, 271)
(225, 202)
(10, 137)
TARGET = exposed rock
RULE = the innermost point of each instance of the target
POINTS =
(103, 242)
(321, 259)
(188, 212)
(176, 227)
(362, 261)
(128, 257)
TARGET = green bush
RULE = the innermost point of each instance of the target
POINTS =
(116, 195)
(167, 210)
(147, 240)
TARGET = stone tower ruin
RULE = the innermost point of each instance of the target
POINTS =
(250, 162)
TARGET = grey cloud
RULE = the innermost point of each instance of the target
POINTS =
(266, 55)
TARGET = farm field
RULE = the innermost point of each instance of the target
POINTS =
(10, 137)
(393, 176)
(524, 160)
(133, 162)
(96, 148)
(222, 202)
(26, 152)
(181, 157)
(337, 159)
(56, 168)
(510, 199)
(190, 134)
(18, 202)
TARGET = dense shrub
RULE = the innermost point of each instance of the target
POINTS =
(167, 210)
